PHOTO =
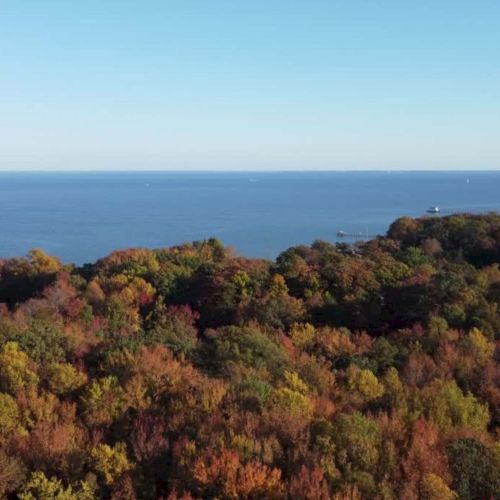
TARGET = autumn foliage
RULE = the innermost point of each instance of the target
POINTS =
(366, 371)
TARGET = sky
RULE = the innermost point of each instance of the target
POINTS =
(249, 85)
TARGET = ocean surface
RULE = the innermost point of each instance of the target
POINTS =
(83, 216)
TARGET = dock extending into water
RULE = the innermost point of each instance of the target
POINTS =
(359, 234)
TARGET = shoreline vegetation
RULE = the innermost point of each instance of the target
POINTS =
(336, 371)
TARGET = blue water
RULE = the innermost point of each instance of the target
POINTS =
(83, 216)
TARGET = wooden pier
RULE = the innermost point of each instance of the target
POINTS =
(360, 234)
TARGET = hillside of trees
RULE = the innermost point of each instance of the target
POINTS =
(366, 371)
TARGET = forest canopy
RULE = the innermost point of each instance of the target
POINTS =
(358, 371)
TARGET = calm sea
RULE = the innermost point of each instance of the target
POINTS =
(83, 216)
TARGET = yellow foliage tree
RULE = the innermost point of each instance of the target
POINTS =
(292, 398)
(395, 391)
(110, 462)
(434, 488)
(63, 378)
(43, 263)
(9, 416)
(364, 383)
(278, 285)
(39, 487)
(15, 371)
(479, 346)
(302, 334)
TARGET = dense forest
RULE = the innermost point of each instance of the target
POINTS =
(365, 371)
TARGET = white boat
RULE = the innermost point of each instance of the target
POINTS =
(433, 210)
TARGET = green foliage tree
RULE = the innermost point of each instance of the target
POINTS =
(173, 327)
(475, 474)
(43, 341)
(448, 407)
(103, 401)
(247, 346)
(358, 442)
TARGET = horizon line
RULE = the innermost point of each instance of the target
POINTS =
(243, 171)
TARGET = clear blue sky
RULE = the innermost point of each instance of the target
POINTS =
(260, 84)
